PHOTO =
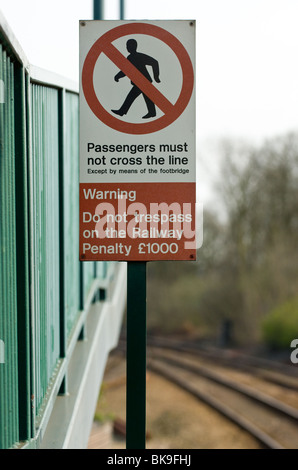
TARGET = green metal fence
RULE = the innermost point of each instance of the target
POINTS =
(9, 417)
(44, 288)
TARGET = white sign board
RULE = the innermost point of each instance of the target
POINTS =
(137, 140)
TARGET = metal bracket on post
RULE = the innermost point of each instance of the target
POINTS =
(136, 356)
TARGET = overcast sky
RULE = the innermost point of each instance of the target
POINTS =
(246, 67)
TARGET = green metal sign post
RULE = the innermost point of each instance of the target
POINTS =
(136, 332)
(136, 356)
(97, 9)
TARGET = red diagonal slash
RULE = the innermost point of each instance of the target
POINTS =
(138, 78)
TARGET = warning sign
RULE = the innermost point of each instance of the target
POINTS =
(137, 140)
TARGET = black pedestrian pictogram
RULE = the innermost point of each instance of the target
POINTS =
(140, 61)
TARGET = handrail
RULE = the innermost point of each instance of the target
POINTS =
(12, 42)
(37, 74)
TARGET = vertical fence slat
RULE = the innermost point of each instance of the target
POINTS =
(71, 211)
(45, 260)
(23, 346)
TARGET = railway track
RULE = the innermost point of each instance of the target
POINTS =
(283, 374)
(247, 399)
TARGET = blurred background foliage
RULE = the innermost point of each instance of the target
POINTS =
(243, 289)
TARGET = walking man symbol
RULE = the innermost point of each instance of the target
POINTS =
(140, 61)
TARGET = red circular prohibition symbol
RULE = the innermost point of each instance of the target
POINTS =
(104, 45)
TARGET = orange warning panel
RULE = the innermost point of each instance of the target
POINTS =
(137, 221)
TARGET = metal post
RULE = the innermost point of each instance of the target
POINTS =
(136, 356)
(135, 349)
(98, 15)
(121, 9)
(97, 9)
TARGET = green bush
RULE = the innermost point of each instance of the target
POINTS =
(280, 326)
